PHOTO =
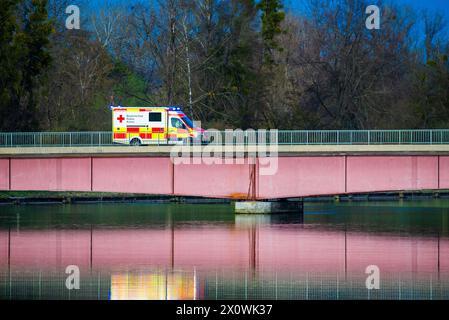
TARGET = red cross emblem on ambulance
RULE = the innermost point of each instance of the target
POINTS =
(121, 118)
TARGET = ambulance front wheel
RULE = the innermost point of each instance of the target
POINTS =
(135, 142)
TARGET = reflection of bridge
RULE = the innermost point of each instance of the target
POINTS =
(248, 247)
(248, 259)
(306, 163)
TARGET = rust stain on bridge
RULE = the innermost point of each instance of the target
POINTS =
(238, 196)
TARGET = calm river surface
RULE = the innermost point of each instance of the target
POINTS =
(204, 251)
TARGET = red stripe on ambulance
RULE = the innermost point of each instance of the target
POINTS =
(145, 135)
(119, 135)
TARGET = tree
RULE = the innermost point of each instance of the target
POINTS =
(430, 94)
(236, 63)
(272, 17)
(349, 76)
(26, 44)
(81, 84)
(9, 52)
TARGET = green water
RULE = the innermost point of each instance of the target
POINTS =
(205, 251)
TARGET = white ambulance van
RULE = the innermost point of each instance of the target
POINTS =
(153, 125)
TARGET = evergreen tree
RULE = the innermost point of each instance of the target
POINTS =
(35, 60)
(272, 17)
(240, 70)
(9, 51)
(24, 58)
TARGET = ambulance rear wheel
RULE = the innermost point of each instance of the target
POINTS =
(135, 142)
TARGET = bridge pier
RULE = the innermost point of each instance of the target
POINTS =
(268, 207)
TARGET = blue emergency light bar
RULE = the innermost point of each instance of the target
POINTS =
(171, 108)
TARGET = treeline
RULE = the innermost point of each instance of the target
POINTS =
(229, 63)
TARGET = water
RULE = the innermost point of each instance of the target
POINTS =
(183, 251)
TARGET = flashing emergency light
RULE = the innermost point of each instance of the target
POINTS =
(171, 108)
(112, 107)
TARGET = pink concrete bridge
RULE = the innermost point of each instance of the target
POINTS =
(301, 171)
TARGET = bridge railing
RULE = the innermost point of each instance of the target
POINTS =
(364, 137)
(60, 139)
(282, 137)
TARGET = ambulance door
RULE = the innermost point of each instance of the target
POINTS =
(177, 129)
(156, 126)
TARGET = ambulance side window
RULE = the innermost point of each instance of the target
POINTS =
(155, 117)
(176, 123)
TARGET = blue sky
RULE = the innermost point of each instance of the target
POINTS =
(433, 5)
(441, 6)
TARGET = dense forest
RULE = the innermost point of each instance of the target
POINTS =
(229, 63)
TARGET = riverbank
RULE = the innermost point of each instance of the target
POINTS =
(48, 197)
(44, 197)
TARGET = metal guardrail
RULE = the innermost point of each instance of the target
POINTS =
(60, 139)
(282, 137)
(364, 137)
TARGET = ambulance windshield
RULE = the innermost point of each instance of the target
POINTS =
(188, 122)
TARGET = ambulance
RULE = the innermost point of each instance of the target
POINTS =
(153, 125)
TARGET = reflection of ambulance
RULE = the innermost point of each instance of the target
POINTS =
(156, 285)
(153, 125)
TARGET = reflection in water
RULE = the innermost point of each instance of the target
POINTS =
(130, 251)
(154, 286)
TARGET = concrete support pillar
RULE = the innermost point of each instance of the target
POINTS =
(267, 207)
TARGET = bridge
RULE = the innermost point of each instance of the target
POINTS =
(306, 163)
